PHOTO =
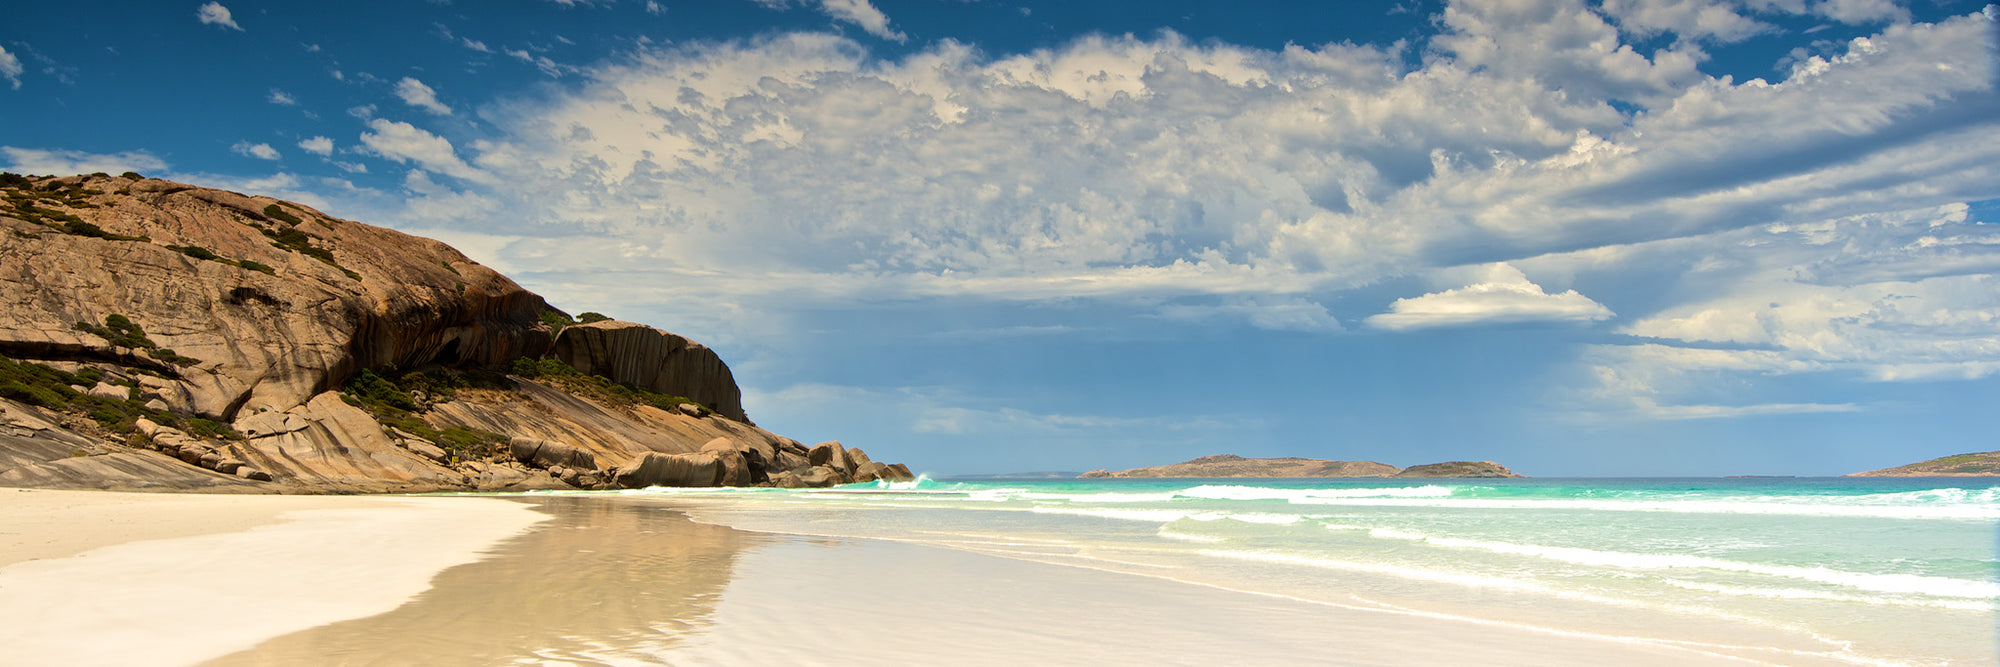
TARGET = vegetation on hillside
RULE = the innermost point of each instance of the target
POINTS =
(56, 389)
(397, 406)
(123, 332)
(555, 372)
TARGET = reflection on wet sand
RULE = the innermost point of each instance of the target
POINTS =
(602, 581)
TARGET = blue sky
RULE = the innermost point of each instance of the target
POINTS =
(1686, 237)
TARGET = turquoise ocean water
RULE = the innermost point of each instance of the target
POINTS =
(1861, 571)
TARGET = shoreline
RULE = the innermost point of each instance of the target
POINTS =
(634, 579)
(98, 577)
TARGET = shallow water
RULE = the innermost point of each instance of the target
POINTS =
(1860, 571)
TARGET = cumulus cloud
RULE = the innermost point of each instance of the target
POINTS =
(416, 94)
(282, 98)
(65, 163)
(317, 145)
(863, 14)
(10, 68)
(1203, 181)
(1719, 20)
(260, 151)
(214, 13)
(408, 144)
(1503, 295)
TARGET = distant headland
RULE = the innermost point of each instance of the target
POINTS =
(1231, 465)
(1981, 464)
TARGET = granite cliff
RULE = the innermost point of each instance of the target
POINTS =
(162, 335)
(1231, 465)
(1980, 464)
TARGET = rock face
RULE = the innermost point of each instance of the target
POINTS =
(1982, 464)
(207, 340)
(257, 340)
(1478, 469)
(640, 355)
(1230, 465)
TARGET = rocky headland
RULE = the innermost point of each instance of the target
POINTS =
(1980, 464)
(1230, 465)
(159, 335)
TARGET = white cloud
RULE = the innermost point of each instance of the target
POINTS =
(1907, 296)
(416, 94)
(863, 14)
(317, 145)
(282, 98)
(654, 8)
(1221, 180)
(259, 151)
(214, 13)
(1721, 20)
(1503, 295)
(1274, 313)
(543, 63)
(352, 167)
(66, 163)
(1862, 11)
(408, 144)
(10, 68)
(476, 45)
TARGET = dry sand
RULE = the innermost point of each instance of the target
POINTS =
(113, 578)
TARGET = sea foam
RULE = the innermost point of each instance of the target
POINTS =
(1880, 583)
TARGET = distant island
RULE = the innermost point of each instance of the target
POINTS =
(1231, 465)
(1980, 464)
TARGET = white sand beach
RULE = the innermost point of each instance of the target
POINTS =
(115, 578)
(103, 578)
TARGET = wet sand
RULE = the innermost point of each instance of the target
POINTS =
(631, 581)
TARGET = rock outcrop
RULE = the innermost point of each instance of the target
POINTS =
(646, 357)
(170, 336)
(1230, 465)
(1981, 464)
(189, 267)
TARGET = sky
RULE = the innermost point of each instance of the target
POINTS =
(1618, 238)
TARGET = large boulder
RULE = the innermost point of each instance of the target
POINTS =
(657, 469)
(548, 454)
(820, 477)
(832, 455)
(740, 461)
(646, 357)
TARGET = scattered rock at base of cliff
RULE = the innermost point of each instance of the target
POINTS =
(1231, 465)
(160, 335)
(1980, 464)
(1462, 469)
